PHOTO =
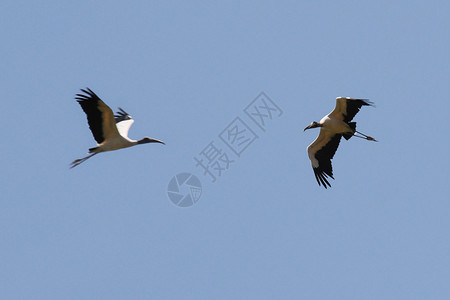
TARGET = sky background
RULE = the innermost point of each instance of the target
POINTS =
(264, 230)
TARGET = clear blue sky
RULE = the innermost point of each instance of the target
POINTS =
(264, 230)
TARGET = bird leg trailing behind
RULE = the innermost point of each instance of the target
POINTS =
(364, 136)
(76, 162)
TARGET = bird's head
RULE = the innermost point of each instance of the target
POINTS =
(149, 140)
(314, 124)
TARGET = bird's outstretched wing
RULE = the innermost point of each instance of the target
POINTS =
(346, 108)
(320, 152)
(123, 122)
(100, 117)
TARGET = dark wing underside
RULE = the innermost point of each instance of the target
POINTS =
(353, 106)
(324, 156)
(89, 103)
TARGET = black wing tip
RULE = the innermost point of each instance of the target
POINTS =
(367, 102)
(121, 112)
(122, 115)
(321, 177)
(361, 101)
(88, 94)
(87, 91)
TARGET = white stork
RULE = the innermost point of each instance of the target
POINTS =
(109, 130)
(332, 127)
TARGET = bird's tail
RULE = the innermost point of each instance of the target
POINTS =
(348, 135)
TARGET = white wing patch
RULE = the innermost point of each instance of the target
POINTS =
(124, 127)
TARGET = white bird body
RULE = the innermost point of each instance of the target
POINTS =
(332, 127)
(116, 143)
(109, 130)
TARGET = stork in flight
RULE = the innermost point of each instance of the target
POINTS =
(332, 127)
(109, 130)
